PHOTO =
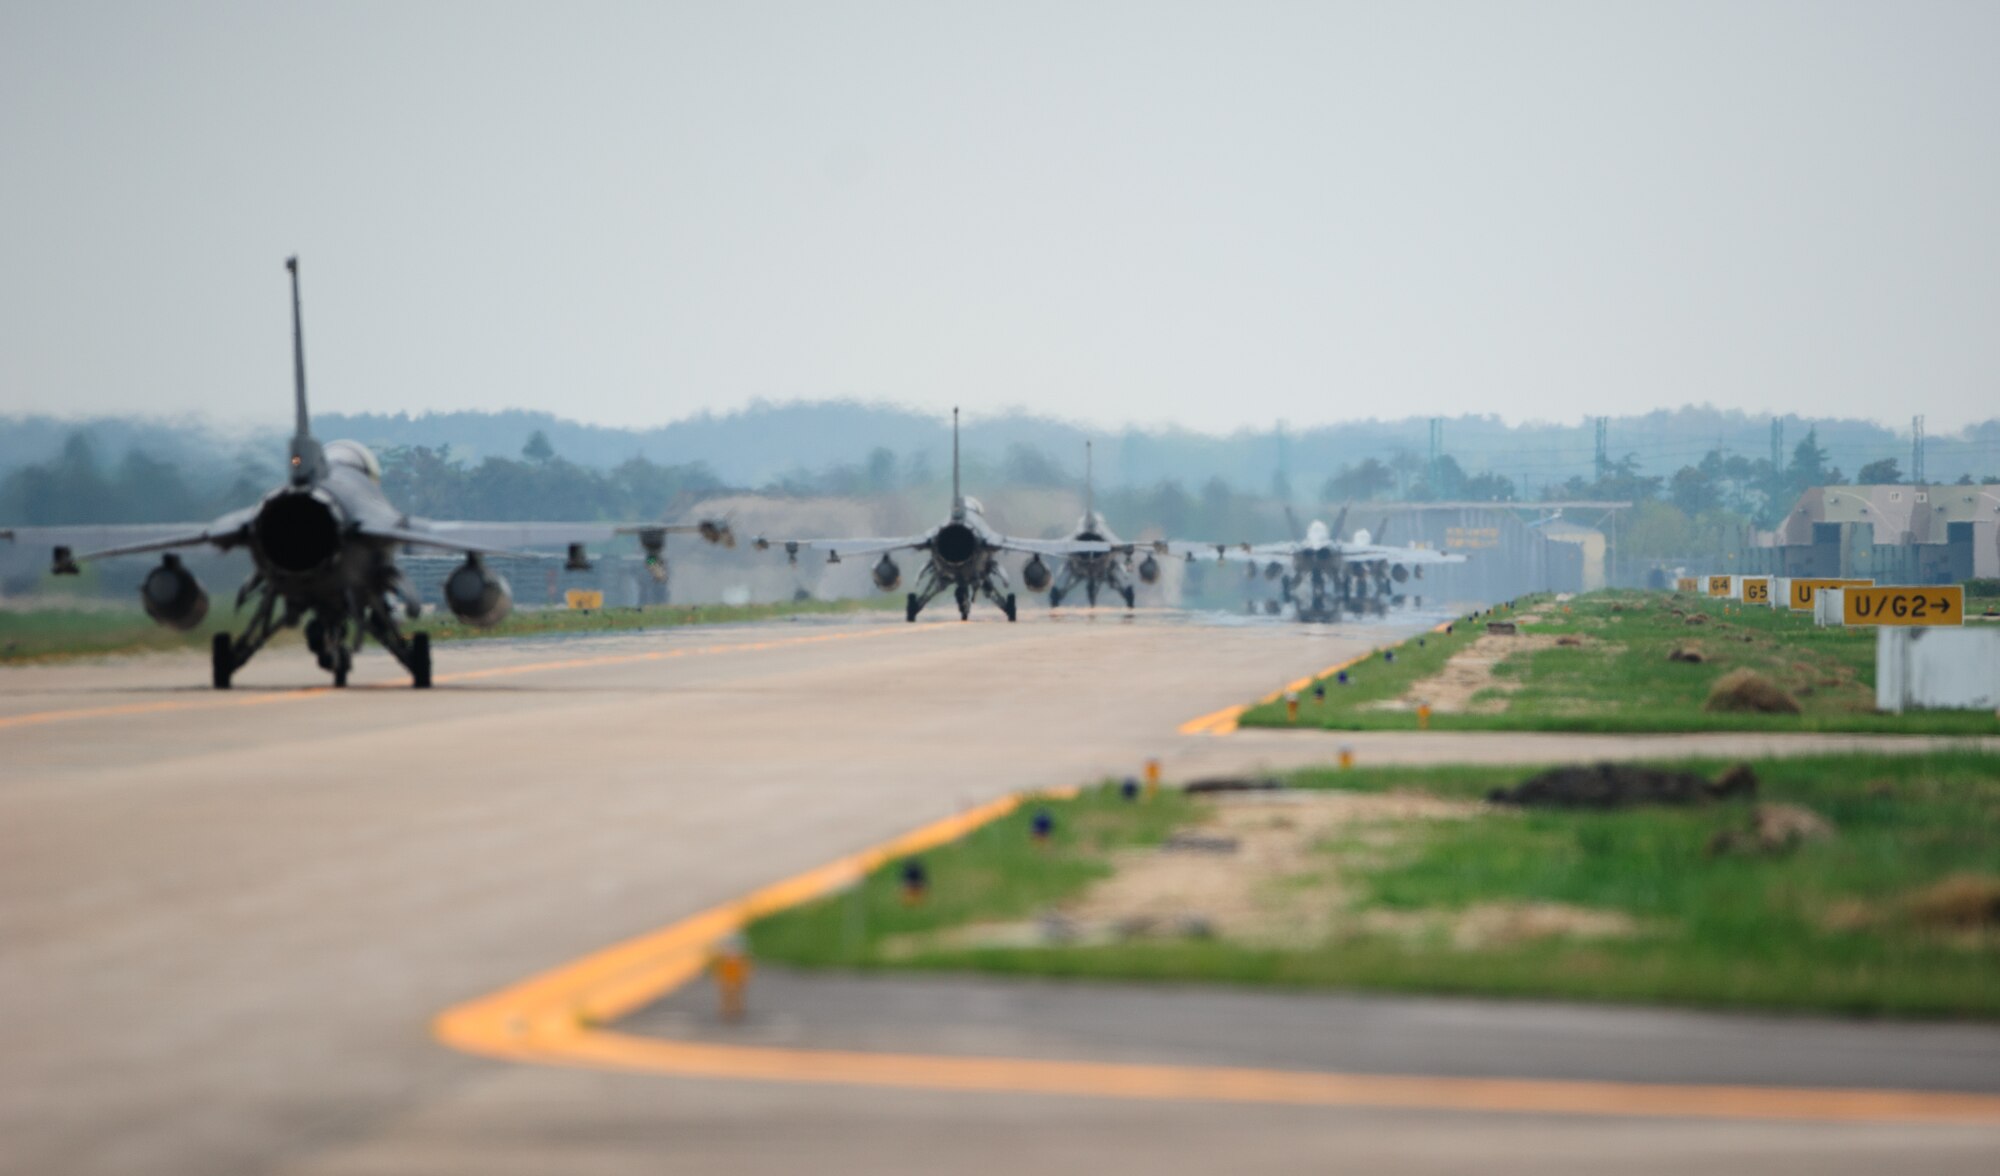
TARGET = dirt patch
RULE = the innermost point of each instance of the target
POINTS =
(1614, 785)
(1774, 829)
(1491, 925)
(1745, 691)
(1253, 870)
(1962, 902)
(1457, 686)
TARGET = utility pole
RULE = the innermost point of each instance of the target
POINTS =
(1917, 450)
(1777, 444)
(1437, 454)
(1603, 460)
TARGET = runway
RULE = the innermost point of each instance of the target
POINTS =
(229, 918)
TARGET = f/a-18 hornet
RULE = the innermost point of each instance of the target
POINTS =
(323, 547)
(1356, 577)
(1113, 568)
(959, 553)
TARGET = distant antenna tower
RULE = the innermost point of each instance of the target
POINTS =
(1777, 443)
(1603, 461)
(1437, 454)
(1917, 450)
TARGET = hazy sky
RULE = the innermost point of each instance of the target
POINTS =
(1212, 214)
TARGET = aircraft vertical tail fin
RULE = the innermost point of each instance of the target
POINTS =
(307, 458)
(957, 499)
(1382, 532)
(1340, 525)
(1089, 490)
(1292, 521)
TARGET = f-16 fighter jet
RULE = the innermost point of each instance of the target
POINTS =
(959, 554)
(1323, 576)
(1113, 568)
(324, 547)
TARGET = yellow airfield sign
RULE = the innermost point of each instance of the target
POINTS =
(1903, 606)
(584, 599)
(1756, 589)
(1718, 586)
(1687, 583)
(1802, 590)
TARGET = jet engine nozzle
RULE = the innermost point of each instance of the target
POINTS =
(298, 531)
(887, 574)
(172, 595)
(477, 595)
(955, 545)
(1149, 570)
(1035, 574)
(1399, 573)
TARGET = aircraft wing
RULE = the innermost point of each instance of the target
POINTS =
(1056, 547)
(515, 535)
(1190, 549)
(1260, 552)
(417, 535)
(1404, 555)
(225, 533)
(839, 549)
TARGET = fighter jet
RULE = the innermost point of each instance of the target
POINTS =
(959, 553)
(1113, 568)
(1356, 576)
(324, 547)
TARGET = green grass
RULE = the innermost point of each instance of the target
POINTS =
(54, 634)
(1820, 928)
(1621, 680)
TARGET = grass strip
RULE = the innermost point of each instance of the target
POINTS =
(1618, 678)
(1828, 926)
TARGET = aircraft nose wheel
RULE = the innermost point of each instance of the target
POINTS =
(1131, 597)
(1008, 608)
(910, 608)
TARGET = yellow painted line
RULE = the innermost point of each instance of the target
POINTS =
(1223, 722)
(1231, 1084)
(36, 718)
(123, 710)
(624, 659)
(610, 983)
(553, 1019)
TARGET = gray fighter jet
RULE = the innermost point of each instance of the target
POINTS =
(1113, 568)
(1358, 576)
(959, 554)
(324, 547)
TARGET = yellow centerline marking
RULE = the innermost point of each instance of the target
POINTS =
(553, 1018)
(37, 718)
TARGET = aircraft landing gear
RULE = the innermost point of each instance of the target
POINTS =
(1007, 606)
(223, 658)
(1131, 597)
(1090, 590)
(911, 608)
(1055, 598)
(964, 603)
(420, 661)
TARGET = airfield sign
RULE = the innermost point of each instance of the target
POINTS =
(1718, 586)
(1687, 584)
(1757, 590)
(1802, 590)
(1903, 606)
(584, 599)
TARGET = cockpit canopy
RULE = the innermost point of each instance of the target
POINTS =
(355, 456)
